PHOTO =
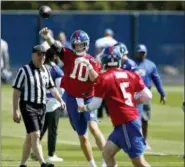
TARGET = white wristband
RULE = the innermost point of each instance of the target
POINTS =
(49, 39)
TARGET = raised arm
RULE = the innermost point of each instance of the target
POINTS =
(58, 48)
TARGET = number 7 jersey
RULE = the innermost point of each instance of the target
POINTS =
(76, 80)
(118, 87)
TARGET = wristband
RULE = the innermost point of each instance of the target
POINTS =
(49, 39)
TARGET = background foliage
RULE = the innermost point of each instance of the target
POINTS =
(94, 5)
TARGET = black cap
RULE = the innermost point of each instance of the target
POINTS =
(38, 49)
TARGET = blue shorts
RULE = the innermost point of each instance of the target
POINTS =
(129, 138)
(79, 121)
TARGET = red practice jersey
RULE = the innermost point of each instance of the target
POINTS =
(118, 87)
(76, 80)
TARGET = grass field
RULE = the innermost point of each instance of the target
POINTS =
(166, 135)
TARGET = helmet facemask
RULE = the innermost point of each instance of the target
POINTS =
(80, 48)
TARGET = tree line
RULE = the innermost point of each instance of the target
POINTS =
(95, 5)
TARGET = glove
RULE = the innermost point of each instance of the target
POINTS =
(163, 100)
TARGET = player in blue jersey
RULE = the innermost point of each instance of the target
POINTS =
(127, 63)
(148, 71)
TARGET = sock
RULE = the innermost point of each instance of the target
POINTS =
(92, 163)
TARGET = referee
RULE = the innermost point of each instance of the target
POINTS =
(29, 99)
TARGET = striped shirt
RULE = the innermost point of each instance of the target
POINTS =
(33, 83)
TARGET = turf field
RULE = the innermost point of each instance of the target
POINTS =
(166, 135)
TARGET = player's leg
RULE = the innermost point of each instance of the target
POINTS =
(140, 162)
(79, 124)
(87, 149)
(97, 134)
(91, 117)
(134, 144)
(109, 152)
(99, 138)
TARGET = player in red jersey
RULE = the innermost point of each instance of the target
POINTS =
(80, 70)
(121, 90)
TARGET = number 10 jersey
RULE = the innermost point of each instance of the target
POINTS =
(76, 80)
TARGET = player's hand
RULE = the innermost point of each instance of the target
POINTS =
(17, 116)
(163, 100)
(44, 32)
(81, 108)
(82, 60)
(85, 61)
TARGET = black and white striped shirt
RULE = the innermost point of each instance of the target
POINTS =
(33, 83)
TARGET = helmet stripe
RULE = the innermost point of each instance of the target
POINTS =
(77, 34)
(111, 49)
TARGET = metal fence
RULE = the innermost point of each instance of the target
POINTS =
(162, 32)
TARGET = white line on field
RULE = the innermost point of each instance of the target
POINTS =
(77, 144)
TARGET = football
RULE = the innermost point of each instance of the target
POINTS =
(45, 11)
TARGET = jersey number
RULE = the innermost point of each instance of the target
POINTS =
(74, 73)
(126, 95)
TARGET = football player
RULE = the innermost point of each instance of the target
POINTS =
(127, 63)
(80, 70)
(117, 88)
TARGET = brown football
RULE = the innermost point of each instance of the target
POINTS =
(45, 11)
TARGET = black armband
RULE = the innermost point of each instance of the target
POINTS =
(57, 48)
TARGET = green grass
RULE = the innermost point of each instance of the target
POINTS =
(166, 135)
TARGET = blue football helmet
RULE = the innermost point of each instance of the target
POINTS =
(80, 42)
(122, 47)
(111, 57)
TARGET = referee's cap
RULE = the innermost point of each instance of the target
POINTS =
(39, 49)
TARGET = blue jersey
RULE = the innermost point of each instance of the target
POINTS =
(129, 65)
(148, 71)
(56, 73)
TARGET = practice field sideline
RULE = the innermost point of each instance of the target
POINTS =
(166, 135)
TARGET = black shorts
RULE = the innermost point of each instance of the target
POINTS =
(33, 115)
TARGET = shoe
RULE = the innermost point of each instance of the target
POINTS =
(104, 165)
(47, 165)
(55, 159)
(23, 166)
(148, 147)
(33, 157)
